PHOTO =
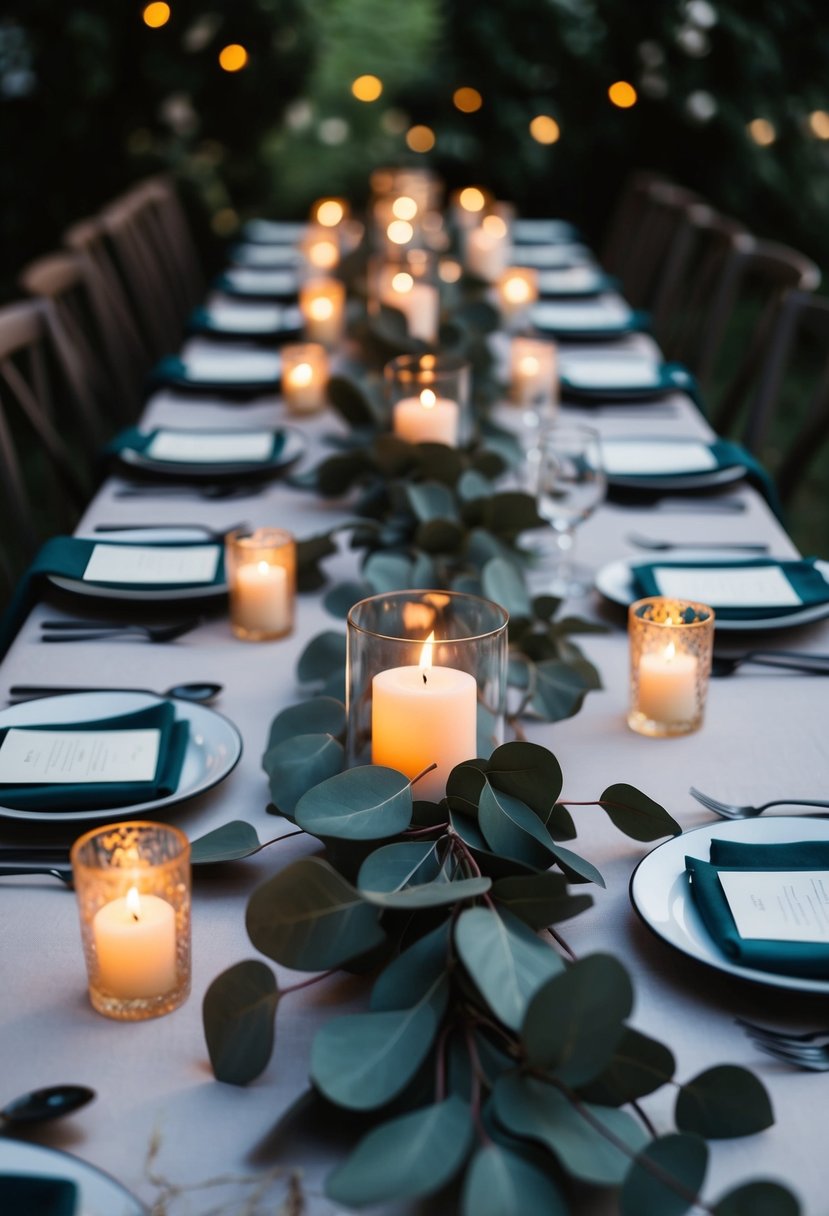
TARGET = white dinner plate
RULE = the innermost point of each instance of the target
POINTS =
(552, 257)
(693, 479)
(162, 595)
(214, 746)
(98, 1193)
(293, 447)
(614, 582)
(661, 893)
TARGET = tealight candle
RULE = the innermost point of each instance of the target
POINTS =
(260, 569)
(517, 290)
(427, 418)
(429, 398)
(671, 644)
(422, 715)
(329, 212)
(321, 248)
(132, 882)
(304, 376)
(487, 248)
(322, 303)
(533, 373)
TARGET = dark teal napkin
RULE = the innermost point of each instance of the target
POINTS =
(671, 378)
(134, 440)
(172, 371)
(28, 1195)
(727, 454)
(68, 556)
(807, 581)
(806, 959)
(56, 797)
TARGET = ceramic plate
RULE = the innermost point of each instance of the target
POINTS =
(259, 284)
(98, 1194)
(620, 376)
(661, 894)
(614, 582)
(693, 479)
(573, 282)
(293, 447)
(542, 231)
(274, 232)
(585, 320)
(265, 257)
(247, 319)
(552, 257)
(213, 748)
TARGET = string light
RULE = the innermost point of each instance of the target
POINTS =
(622, 94)
(420, 139)
(367, 88)
(544, 129)
(155, 15)
(233, 57)
(467, 100)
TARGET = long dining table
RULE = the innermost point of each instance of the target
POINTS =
(161, 1124)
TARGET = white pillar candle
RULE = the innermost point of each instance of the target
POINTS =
(424, 715)
(135, 943)
(533, 372)
(668, 685)
(259, 598)
(517, 290)
(304, 377)
(419, 302)
(322, 303)
(488, 248)
(427, 419)
(321, 248)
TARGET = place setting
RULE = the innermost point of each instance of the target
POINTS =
(203, 454)
(235, 320)
(207, 368)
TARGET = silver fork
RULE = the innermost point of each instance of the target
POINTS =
(806, 1051)
(91, 631)
(732, 810)
(664, 546)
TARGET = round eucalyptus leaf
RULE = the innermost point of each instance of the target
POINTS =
(414, 972)
(363, 1060)
(647, 1188)
(594, 1145)
(413, 1155)
(438, 894)
(512, 829)
(546, 606)
(393, 456)
(324, 654)
(318, 715)
(464, 785)
(575, 1021)
(339, 473)
(482, 547)
(639, 1066)
(576, 868)
(559, 690)
(369, 802)
(723, 1102)
(238, 1015)
(758, 1199)
(309, 918)
(424, 576)
(354, 402)
(473, 485)
(539, 899)
(440, 536)
(342, 598)
(395, 866)
(227, 843)
(503, 584)
(500, 1183)
(387, 572)
(528, 772)
(439, 462)
(505, 959)
(431, 500)
(300, 762)
(637, 815)
(511, 512)
(309, 553)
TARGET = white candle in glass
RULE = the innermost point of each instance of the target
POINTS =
(419, 302)
(424, 715)
(260, 599)
(488, 248)
(668, 685)
(427, 418)
(517, 290)
(304, 377)
(135, 943)
(322, 303)
(533, 372)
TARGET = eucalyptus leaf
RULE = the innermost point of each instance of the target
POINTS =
(512, 829)
(431, 500)
(309, 918)
(323, 654)
(408, 977)
(318, 715)
(238, 1014)
(506, 960)
(440, 536)
(594, 1143)
(723, 1102)
(503, 584)
(298, 763)
(647, 1188)
(637, 815)
(539, 899)
(464, 785)
(439, 462)
(560, 690)
(500, 1183)
(413, 1155)
(354, 402)
(342, 598)
(758, 1199)
(508, 513)
(387, 572)
(229, 842)
(363, 1060)
(473, 485)
(393, 456)
(340, 472)
(395, 866)
(639, 1066)
(575, 1020)
(529, 772)
(369, 802)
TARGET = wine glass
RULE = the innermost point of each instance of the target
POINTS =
(568, 479)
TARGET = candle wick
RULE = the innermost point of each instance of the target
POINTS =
(135, 916)
(424, 677)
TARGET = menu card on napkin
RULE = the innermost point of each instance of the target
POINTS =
(29, 757)
(622, 370)
(211, 447)
(582, 314)
(152, 565)
(729, 587)
(246, 318)
(631, 458)
(781, 906)
(232, 366)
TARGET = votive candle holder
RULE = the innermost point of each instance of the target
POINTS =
(260, 567)
(305, 374)
(671, 646)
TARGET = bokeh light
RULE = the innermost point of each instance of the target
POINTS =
(329, 212)
(420, 138)
(762, 132)
(494, 225)
(467, 100)
(156, 15)
(472, 199)
(449, 271)
(399, 232)
(233, 57)
(404, 208)
(622, 94)
(544, 129)
(819, 124)
(367, 88)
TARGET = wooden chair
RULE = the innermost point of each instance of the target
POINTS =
(618, 254)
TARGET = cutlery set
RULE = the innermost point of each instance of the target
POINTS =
(92, 631)
(808, 1050)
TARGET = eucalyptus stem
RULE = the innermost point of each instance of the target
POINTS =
(477, 1079)
(560, 941)
(440, 1062)
(315, 979)
(411, 833)
(430, 768)
(276, 840)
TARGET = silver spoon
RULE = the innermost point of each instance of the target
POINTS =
(664, 546)
(43, 1104)
(201, 693)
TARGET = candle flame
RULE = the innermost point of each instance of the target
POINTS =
(400, 232)
(302, 375)
(528, 365)
(494, 226)
(670, 653)
(321, 308)
(402, 282)
(516, 289)
(133, 903)
(472, 199)
(262, 567)
(404, 208)
(330, 212)
(426, 655)
(324, 255)
(428, 399)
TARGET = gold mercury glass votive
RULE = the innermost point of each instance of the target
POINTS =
(304, 376)
(260, 567)
(132, 882)
(671, 644)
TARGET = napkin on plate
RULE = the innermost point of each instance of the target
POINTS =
(30, 1195)
(624, 376)
(134, 440)
(585, 319)
(809, 959)
(259, 284)
(77, 796)
(225, 372)
(801, 583)
(239, 319)
(68, 557)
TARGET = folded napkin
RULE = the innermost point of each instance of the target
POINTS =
(79, 795)
(809, 959)
(543, 231)
(262, 284)
(623, 378)
(230, 373)
(801, 580)
(69, 556)
(274, 232)
(265, 256)
(221, 448)
(588, 319)
(29, 1195)
(247, 320)
(574, 282)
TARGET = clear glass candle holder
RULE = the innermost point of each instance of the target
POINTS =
(429, 398)
(408, 282)
(260, 567)
(517, 291)
(305, 375)
(322, 304)
(671, 644)
(132, 882)
(321, 247)
(533, 384)
(426, 683)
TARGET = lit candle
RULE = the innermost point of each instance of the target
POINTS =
(533, 372)
(304, 377)
(419, 302)
(329, 212)
(487, 249)
(259, 599)
(322, 302)
(427, 419)
(135, 941)
(668, 685)
(467, 206)
(424, 715)
(321, 248)
(517, 290)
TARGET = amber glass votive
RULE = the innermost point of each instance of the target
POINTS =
(261, 576)
(304, 376)
(671, 644)
(132, 882)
